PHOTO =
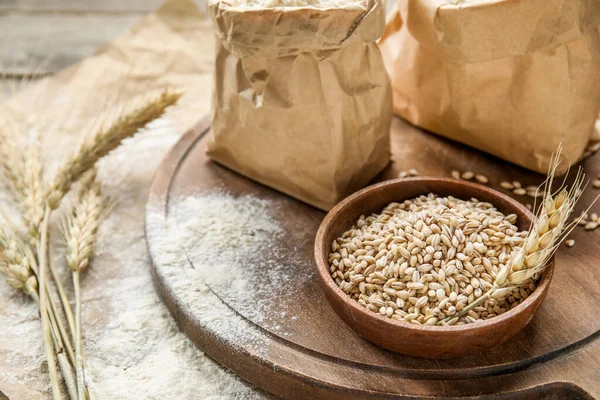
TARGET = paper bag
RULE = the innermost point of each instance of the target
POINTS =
(512, 78)
(302, 101)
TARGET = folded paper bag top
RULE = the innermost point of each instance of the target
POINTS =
(511, 77)
(269, 32)
(301, 101)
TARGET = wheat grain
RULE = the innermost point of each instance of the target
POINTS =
(520, 191)
(467, 175)
(506, 185)
(593, 147)
(570, 243)
(104, 141)
(426, 259)
(481, 178)
(455, 174)
(596, 184)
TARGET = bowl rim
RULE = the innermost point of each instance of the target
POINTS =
(322, 263)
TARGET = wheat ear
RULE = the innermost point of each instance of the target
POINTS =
(11, 159)
(80, 236)
(102, 143)
(33, 190)
(16, 266)
(547, 231)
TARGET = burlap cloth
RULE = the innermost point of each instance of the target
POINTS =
(133, 346)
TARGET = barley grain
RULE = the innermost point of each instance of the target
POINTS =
(467, 175)
(593, 147)
(481, 178)
(425, 259)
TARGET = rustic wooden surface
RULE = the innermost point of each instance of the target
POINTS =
(556, 356)
(44, 36)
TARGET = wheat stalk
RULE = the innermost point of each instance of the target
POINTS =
(102, 143)
(17, 265)
(42, 257)
(546, 233)
(80, 236)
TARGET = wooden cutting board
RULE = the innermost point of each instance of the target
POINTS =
(308, 352)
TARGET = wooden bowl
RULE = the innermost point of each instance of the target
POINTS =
(411, 339)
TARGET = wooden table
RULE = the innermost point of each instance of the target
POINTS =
(41, 37)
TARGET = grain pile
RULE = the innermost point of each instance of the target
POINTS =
(424, 260)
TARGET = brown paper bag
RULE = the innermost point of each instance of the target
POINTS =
(512, 78)
(302, 101)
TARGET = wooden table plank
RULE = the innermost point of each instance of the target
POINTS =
(82, 5)
(43, 43)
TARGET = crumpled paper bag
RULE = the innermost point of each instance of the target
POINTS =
(301, 101)
(512, 78)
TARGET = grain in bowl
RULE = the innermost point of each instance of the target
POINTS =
(424, 260)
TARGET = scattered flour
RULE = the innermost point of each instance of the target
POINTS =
(223, 248)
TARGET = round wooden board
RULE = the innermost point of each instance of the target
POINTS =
(308, 352)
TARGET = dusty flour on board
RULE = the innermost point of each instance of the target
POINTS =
(133, 346)
(227, 244)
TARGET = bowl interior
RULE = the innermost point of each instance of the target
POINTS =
(374, 198)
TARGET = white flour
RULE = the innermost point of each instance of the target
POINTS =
(133, 346)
